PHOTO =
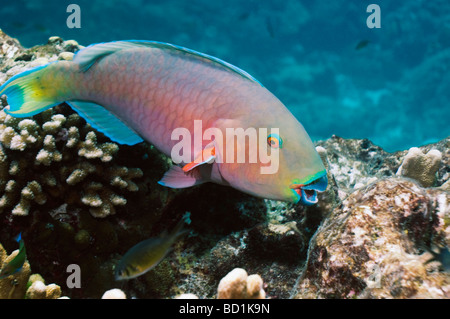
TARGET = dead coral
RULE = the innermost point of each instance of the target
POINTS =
(90, 149)
(238, 285)
(39, 290)
(376, 245)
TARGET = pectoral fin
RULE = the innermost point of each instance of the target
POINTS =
(175, 177)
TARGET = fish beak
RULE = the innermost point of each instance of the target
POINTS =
(307, 194)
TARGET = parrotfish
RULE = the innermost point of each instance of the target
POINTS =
(143, 90)
(16, 264)
(145, 255)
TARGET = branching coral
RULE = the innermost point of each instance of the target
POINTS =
(56, 155)
(90, 149)
(114, 294)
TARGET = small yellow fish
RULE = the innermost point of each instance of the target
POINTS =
(148, 253)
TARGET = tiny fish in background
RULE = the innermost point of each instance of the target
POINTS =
(136, 90)
(362, 44)
(270, 27)
(148, 253)
(16, 264)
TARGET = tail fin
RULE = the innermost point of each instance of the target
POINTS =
(26, 95)
(179, 228)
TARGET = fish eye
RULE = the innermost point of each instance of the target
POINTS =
(275, 141)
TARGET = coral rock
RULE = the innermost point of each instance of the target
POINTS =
(237, 285)
(38, 290)
(375, 245)
(421, 167)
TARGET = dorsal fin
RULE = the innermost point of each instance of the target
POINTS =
(89, 55)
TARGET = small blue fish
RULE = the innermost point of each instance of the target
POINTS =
(16, 264)
(148, 253)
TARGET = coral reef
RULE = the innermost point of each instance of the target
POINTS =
(14, 286)
(321, 75)
(39, 290)
(376, 232)
(378, 243)
(370, 228)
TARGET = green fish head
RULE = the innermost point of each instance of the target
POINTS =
(292, 170)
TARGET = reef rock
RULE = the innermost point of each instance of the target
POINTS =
(378, 244)
(421, 167)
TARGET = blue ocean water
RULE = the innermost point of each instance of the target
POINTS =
(389, 84)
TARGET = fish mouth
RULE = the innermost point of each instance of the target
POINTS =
(307, 193)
